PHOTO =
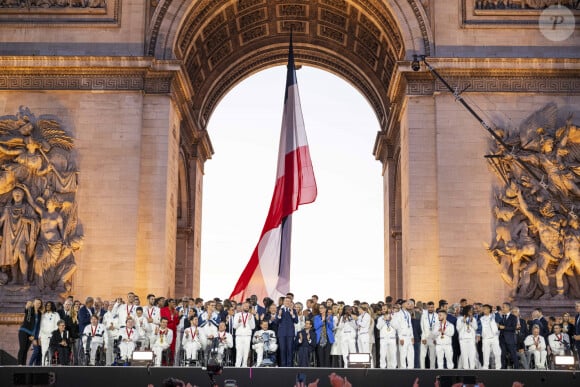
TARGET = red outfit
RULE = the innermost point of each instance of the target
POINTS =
(172, 316)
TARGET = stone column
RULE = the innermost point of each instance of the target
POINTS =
(421, 267)
(158, 183)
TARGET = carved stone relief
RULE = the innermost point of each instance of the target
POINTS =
(39, 226)
(523, 13)
(536, 226)
(60, 11)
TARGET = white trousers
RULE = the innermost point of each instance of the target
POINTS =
(158, 352)
(539, 358)
(489, 346)
(388, 353)
(44, 346)
(347, 346)
(127, 348)
(191, 349)
(406, 353)
(444, 351)
(468, 354)
(259, 348)
(427, 348)
(242, 350)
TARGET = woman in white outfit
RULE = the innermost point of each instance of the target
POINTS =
(347, 323)
(48, 324)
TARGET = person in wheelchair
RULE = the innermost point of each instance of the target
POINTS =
(161, 340)
(191, 341)
(93, 338)
(536, 345)
(220, 343)
(60, 343)
(128, 337)
(559, 342)
(265, 345)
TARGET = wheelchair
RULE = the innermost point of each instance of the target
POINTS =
(85, 354)
(183, 361)
(52, 358)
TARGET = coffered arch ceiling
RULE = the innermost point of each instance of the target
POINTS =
(222, 42)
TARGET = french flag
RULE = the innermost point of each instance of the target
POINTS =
(268, 270)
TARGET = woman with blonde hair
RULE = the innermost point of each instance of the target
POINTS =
(335, 349)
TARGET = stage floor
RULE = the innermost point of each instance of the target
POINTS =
(142, 376)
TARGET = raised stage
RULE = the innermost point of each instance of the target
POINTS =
(277, 377)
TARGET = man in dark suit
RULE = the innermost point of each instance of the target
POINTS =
(85, 313)
(287, 317)
(521, 334)
(539, 320)
(507, 324)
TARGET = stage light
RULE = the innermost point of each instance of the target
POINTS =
(564, 362)
(359, 360)
(142, 358)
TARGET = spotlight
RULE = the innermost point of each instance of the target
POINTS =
(415, 65)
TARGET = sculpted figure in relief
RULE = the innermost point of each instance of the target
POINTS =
(537, 237)
(38, 183)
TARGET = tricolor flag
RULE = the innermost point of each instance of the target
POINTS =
(268, 271)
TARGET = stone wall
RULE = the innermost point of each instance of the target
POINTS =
(447, 194)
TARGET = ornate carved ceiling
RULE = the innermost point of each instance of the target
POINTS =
(221, 42)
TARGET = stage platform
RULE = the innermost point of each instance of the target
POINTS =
(269, 377)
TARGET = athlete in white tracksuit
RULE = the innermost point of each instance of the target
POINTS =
(466, 327)
(48, 324)
(244, 324)
(428, 320)
(258, 342)
(96, 332)
(489, 338)
(404, 326)
(388, 337)
(191, 340)
(129, 337)
(442, 333)
(111, 324)
(348, 342)
(161, 340)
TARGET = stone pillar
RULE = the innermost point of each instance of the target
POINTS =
(158, 183)
(421, 267)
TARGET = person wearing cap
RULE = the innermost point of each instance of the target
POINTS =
(443, 333)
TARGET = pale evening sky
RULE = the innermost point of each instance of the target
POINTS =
(337, 241)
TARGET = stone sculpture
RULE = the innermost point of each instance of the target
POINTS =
(536, 240)
(38, 221)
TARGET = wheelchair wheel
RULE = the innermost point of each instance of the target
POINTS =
(100, 357)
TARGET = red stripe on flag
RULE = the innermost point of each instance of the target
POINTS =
(297, 186)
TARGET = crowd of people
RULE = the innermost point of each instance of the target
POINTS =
(391, 333)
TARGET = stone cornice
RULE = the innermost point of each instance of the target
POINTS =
(480, 75)
(11, 318)
(87, 73)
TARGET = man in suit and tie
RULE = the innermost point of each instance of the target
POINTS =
(287, 317)
(507, 324)
(539, 320)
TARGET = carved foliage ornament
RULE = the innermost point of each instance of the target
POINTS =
(537, 202)
(39, 228)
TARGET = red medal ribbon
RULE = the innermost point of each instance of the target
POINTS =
(93, 331)
(244, 318)
(129, 333)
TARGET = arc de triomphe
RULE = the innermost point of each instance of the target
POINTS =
(135, 83)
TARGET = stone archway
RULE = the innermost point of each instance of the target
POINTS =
(221, 42)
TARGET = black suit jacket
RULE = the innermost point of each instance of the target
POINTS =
(56, 338)
(509, 331)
